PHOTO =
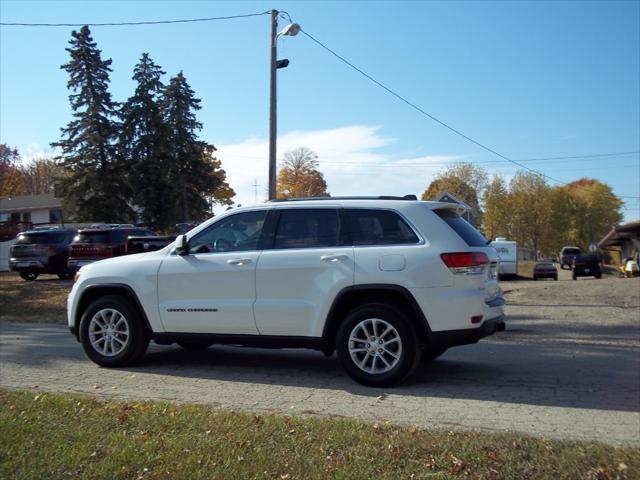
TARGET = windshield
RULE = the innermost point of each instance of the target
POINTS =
(92, 237)
(40, 238)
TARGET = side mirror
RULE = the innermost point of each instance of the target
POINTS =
(182, 247)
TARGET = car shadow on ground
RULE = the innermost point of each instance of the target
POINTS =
(578, 376)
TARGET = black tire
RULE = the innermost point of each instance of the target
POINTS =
(194, 345)
(599, 276)
(555, 278)
(430, 354)
(66, 275)
(409, 355)
(574, 276)
(535, 278)
(28, 276)
(136, 343)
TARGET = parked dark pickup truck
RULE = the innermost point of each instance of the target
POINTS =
(143, 244)
(567, 254)
(586, 266)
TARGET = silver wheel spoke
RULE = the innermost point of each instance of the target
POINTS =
(391, 353)
(366, 342)
(384, 360)
(364, 329)
(108, 332)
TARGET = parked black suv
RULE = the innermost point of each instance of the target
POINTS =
(42, 251)
(586, 266)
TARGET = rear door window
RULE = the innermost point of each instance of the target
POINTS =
(307, 228)
(464, 229)
(378, 227)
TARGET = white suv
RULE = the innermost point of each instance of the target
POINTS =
(384, 282)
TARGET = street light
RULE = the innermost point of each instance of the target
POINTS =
(290, 30)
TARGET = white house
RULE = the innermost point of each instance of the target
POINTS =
(34, 209)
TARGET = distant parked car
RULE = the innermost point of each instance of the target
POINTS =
(567, 254)
(182, 228)
(95, 244)
(42, 251)
(545, 270)
(586, 266)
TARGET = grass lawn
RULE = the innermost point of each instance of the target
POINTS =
(41, 301)
(51, 436)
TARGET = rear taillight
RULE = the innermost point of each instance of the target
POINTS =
(466, 262)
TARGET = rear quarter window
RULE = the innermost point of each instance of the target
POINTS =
(378, 227)
(464, 229)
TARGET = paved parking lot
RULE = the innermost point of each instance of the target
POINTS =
(568, 366)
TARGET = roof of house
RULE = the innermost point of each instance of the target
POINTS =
(620, 234)
(451, 198)
(24, 203)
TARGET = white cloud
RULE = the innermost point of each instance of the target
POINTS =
(349, 159)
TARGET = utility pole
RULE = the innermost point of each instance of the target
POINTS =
(255, 190)
(272, 106)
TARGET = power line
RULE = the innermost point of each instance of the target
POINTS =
(427, 114)
(128, 24)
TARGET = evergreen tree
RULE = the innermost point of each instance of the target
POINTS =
(95, 186)
(193, 178)
(143, 142)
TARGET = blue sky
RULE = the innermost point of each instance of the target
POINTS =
(528, 79)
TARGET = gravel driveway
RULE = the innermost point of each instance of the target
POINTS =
(568, 366)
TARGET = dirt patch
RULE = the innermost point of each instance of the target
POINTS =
(41, 301)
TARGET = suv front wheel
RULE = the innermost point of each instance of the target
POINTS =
(112, 333)
(377, 345)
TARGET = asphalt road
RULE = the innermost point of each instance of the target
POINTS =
(568, 366)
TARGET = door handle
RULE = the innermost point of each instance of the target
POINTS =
(333, 258)
(239, 261)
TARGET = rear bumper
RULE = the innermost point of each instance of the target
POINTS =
(452, 338)
(31, 265)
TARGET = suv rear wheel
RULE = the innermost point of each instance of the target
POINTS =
(377, 345)
(112, 333)
(28, 276)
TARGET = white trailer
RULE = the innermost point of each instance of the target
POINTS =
(508, 253)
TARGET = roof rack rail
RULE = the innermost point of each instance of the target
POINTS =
(382, 197)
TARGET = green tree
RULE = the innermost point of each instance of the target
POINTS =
(10, 179)
(223, 193)
(595, 210)
(495, 221)
(143, 141)
(95, 186)
(299, 175)
(193, 179)
(40, 176)
(466, 181)
(530, 209)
